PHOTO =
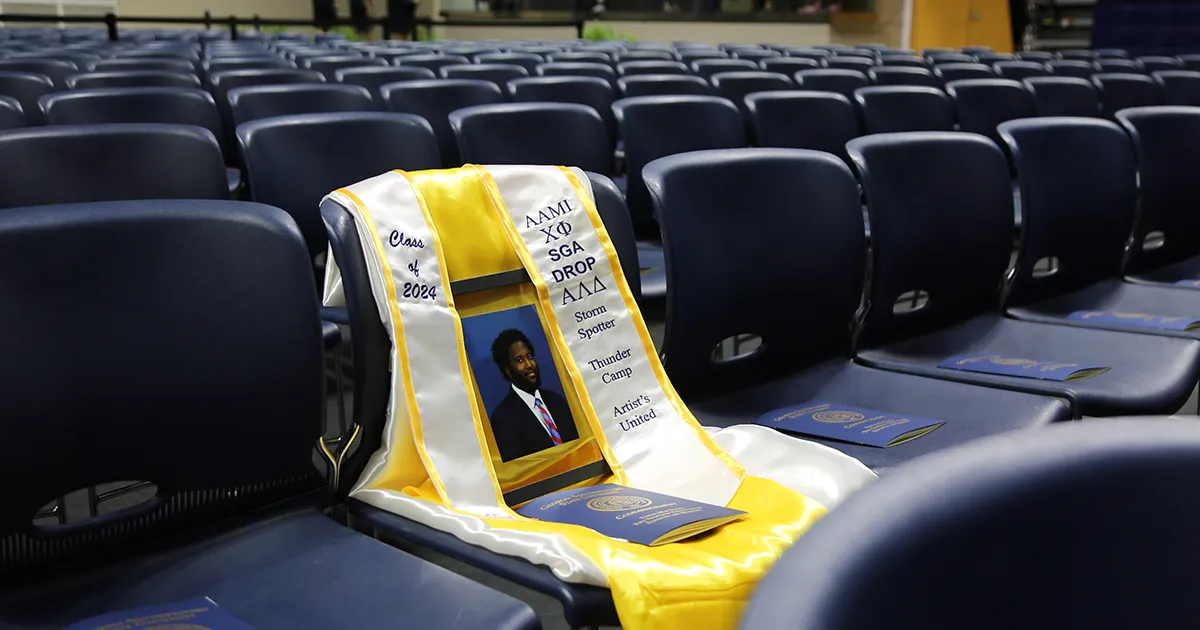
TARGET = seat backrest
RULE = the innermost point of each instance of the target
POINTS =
(434, 100)
(706, 68)
(940, 206)
(637, 68)
(372, 77)
(525, 60)
(593, 57)
(223, 64)
(981, 104)
(1190, 61)
(497, 73)
(839, 62)
(432, 62)
(787, 65)
(11, 114)
(662, 85)
(642, 55)
(1120, 90)
(889, 109)
(292, 162)
(57, 69)
(1078, 180)
(903, 75)
(27, 88)
(736, 85)
(1023, 513)
(1071, 68)
(1167, 144)
(72, 164)
(992, 58)
(591, 91)
(820, 121)
(809, 234)
(562, 134)
(844, 82)
(658, 126)
(1153, 64)
(1118, 66)
(328, 65)
(132, 78)
(948, 72)
(911, 61)
(266, 101)
(1019, 70)
(162, 65)
(176, 106)
(943, 58)
(577, 69)
(1063, 96)
(753, 54)
(229, 344)
(1039, 56)
(1179, 87)
(371, 346)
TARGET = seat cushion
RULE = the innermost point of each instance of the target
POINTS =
(1121, 296)
(1150, 374)
(297, 570)
(969, 411)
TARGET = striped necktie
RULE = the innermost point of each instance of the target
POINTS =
(547, 420)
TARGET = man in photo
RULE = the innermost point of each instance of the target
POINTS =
(529, 419)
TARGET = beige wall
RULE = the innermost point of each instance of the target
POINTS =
(291, 9)
(887, 27)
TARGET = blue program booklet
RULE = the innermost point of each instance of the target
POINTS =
(645, 518)
(848, 424)
(1136, 320)
(1024, 368)
(193, 614)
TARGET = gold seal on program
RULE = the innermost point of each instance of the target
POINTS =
(618, 503)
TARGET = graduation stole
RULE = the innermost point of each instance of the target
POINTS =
(419, 232)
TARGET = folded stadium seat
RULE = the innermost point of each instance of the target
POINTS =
(735, 86)
(1113, 66)
(941, 58)
(816, 54)
(911, 61)
(903, 75)
(1074, 170)
(982, 104)
(654, 67)
(265, 101)
(1120, 90)
(639, 55)
(820, 121)
(992, 58)
(815, 247)
(1039, 56)
(843, 82)
(1110, 53)
(690, 55)
(662, 85)
(961, 184)
(329, 65)
(1154, 64)
(1063, 96)
(976, 50)
(845, 62)
(1019, 70)
(996, 528)
(562, 134)
(84, 163)
(1077, 55)
(472, 52)
(434, 100)
(132, 78)
(754, 55)
(57, 69)
(1165, 139)
(292, 162)
(233, 349)
(856, 52)
(948, 72)
(82, 60)
(583, 605)
(787, 65)
(11, 114)
(160, 65)
(225, 64)
(27, 88)
(432, 62)
(1072, 68)
(594, 57)
(1179, 87)
(577, 69)
(705, 68)
(1190, 61)
(889, 109)
(591, 91)
(525, 60)
(373, 77)
(497, 73)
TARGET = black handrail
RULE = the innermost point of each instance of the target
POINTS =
(233, 22)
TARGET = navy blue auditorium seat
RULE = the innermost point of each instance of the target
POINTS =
(265, 101)
(292, 162)
(328, 65)
(1167, 142)
(11, 114)
(373, 77)
(1079, 177)
(787, 65)
(961, 184)
(632, 55)
(234, 349)
(982, 104)
(1190, 62)
(638, 68)
(70, 164)
(577, 69)
(909, 61)
(224, 82)
(177, 106)
(1019, 70)
(1154, 64)
(1071, 68)
(432, 62)
(582, 605)
(1118, 91)
(596, 57)
(434, 100)
(705, 68)
(1118, 66)
(948, 72)
(843, 82)
(841, 62)
(1063, 96)
(57, 69)
(223, 64)
(889, 109)
(688, 55)
(591, 91)
(662, 85)
(132, 78)
(525, 60)
(497, 73)
(821, 121)
(1039, 56)
(735, 86)
(944, 58)
(565, 134)
(997, 528)
(815, 245)
(816, 54)
(27, 88)
(754, 55)
(903, 75)
(1179, 87)
(162, 65)
(992, 58)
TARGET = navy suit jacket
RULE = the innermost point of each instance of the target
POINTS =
(519, 432)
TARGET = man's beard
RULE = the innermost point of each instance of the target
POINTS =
(528, 386)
